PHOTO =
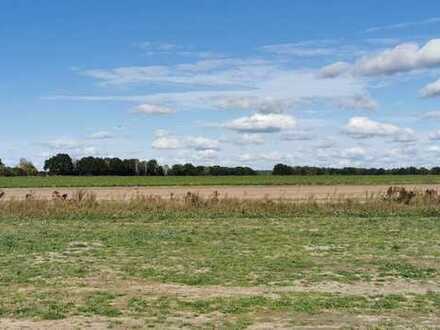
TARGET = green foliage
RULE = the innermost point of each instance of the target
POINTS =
(61, 164)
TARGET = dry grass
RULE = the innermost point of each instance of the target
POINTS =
(397, 201)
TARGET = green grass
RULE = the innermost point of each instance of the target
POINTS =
(113, 181)
(56, 266)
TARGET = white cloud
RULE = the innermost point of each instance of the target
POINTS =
(156, 47)
(435, 136)
(404, 25)
(431, 90)
(296, 136)
(402, 58)
(64, 143)
(202, 143)
(326, 144)
(164, 141)
(357, 102)
(270, 156)
(431, 115)
(261, 123)
(76, 148)
(228, 83)
(354, 153)
(206, 155)
(334, 70)
(153, 109)
(363, 128)
(301, 49)
(101, 135)
(245, 139)
(262, 105)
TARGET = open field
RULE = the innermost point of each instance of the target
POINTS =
(139, 181)
(293, 192)
(214, 263)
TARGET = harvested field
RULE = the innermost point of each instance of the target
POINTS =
(296, 192)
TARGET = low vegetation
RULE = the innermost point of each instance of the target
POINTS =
(133, 181)
(220, 263)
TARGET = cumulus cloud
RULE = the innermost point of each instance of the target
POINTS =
(402, 58)
(357, 102)
(154, 109)
(164, 140)
(262, 123)
(363, 128)
(431, 90)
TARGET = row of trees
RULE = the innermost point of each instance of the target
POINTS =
(62, 164)
(24, 168)
(281, 169)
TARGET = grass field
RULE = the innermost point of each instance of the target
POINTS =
(218, 264)
(113, 181)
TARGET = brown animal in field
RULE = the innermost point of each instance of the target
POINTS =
(29, 196)
(2, 194)
(64, 196)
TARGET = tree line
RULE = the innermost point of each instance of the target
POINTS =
(63, 164)
(282, 169)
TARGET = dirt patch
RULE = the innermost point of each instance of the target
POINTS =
(70, 323)
(239, 192)
(185, 291)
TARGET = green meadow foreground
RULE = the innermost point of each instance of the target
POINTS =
(127, 181)
(210, 263)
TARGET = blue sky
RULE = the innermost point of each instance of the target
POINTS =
(327, 83)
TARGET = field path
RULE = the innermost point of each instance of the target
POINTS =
(240, 192)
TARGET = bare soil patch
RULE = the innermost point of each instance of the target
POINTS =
(136, 286)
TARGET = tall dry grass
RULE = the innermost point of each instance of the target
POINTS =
(85, 203)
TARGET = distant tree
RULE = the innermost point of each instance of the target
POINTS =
(60, 164)
(281, 169)
(177, 169)
(92, 166)
(116, 166)
(131, 166)
(27, 167)
(153, 167)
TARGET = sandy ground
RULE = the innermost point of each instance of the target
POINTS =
(241, 192)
